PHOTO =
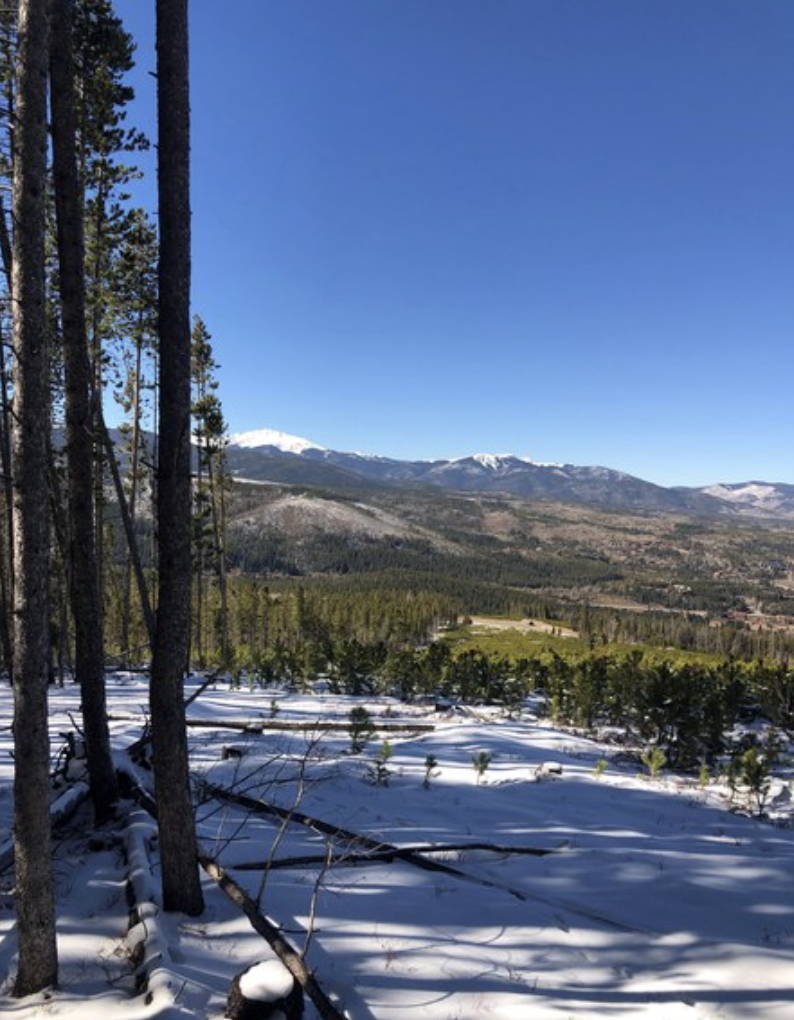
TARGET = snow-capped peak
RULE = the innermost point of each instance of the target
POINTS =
(271, 437)
(491, 460)
(495, 461)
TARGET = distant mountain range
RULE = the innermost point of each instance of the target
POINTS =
(267, 455)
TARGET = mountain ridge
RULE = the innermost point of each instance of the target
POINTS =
(272, 455)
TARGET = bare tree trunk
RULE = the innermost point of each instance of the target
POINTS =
(126, 520)
(38, 961)
(5, 244)
(135, 443)
(6, 525)
(6, 258)
(218, 511)
(7, 552)
(178, 851)
(199, 563)
(100, 267)
(86, 599)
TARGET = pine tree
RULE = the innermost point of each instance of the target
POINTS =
(103, 57)
(135, 298)
(83, 572)
(178, 852)
(38, 962)
(210, 490)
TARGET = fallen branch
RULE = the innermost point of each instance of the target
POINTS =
(200, 690)
(261, 807)
(417, 859)
(393, 854)
(283, 950)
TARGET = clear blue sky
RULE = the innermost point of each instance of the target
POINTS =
(558, 228)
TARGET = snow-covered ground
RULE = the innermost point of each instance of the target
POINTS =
(654, 901)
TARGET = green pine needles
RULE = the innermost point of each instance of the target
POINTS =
(480, 763)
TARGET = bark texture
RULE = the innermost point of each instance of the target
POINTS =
(38, 963)
(85, 595)
(180, 874)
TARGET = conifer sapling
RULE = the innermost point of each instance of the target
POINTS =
(480, 763)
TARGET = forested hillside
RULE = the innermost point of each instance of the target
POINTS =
(720, 585)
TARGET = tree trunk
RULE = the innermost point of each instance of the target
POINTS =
(178, 851)
(38, 962)
(6, 527)
(218, 515)
(85, 594)
(100, 269)
(135, 443)
(7, 553)
(199, 563)
(127, 524)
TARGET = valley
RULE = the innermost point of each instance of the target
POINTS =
(734, 571)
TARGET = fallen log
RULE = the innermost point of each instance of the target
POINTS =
(288, 956)
(294, 726)
(132, 785)
(62, 807)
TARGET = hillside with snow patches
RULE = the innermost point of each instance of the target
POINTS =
(267, 454)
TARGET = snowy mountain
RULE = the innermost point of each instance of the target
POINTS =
(262, 439)
(765, 497)
(271, 455)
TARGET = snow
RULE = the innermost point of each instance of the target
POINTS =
(541, 463)
(752, 492)
(266, 982)
(493, 461)
(271, 437)
(655, 900)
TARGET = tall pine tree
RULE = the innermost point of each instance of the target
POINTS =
(83, 569)
(38, 961)
(178, 851)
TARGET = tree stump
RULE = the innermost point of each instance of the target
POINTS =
(265, 991)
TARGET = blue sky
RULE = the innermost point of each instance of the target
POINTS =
(558, 228)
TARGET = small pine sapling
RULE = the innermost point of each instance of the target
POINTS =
(480, 763)
(600, 767)
(361, 729)
(274, 708)
(703, 779)
(732, 773)
(378, 773)
(654, 759)
(751, 768)
(431, 770)
(754, 771)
